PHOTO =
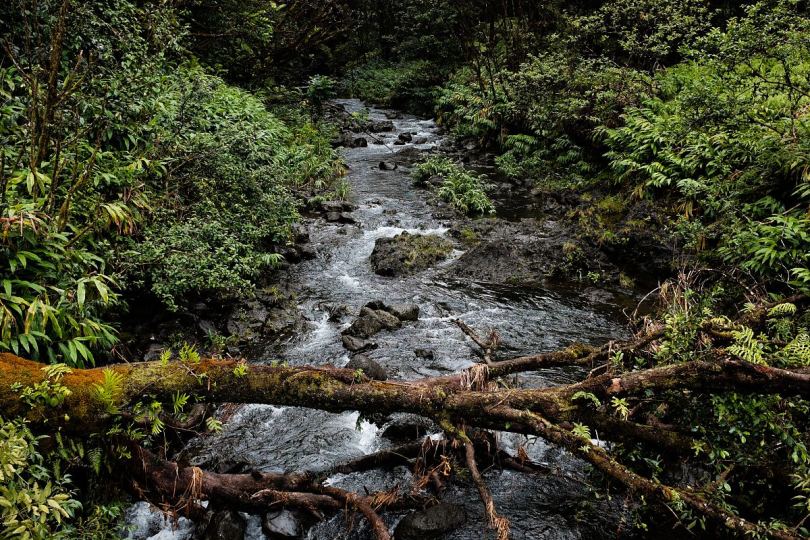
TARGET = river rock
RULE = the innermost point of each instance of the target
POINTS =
(425, 354)
(431, 523)
(354, 344)
(436, 180)
(399, 143)
(403, 312)
(393, 115)
(371, 369)
(282, 524)
(248, 319)
(420, 140)
(340, 217)
(336, 206)
(377, 126)
(404, 427)
(360, 142)
(371, 322)
(526, 253)
(405, 137)
(386, 166)
(227, 525)
(407, 254)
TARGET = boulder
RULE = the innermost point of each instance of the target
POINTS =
(371, 369)
(431, 523)
(282, 524)
(371, 322)
(377, 126)
(405, 137)
(424, 354)
(404, 312)
(340, 217)
(336, 206)
(403, 428)
(354, 344)
(407, 254)
(360, 142)
(385, 166)
(420, 140)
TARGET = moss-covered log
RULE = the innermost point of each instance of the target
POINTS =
(94, 395)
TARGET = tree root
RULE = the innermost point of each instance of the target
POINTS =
(496, 522)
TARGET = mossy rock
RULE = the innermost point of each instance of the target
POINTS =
(407, 254)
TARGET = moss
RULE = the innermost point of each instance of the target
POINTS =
(468, 236)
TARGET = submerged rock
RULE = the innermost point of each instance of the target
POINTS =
(386, 166)
(431, 523)
(407, 254)
(371, 369)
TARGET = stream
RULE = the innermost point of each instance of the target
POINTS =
(278, 439)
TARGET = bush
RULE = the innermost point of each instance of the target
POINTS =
(433, 166)
(232, 201)
(466, 194)
(408, 85)
(34, 500)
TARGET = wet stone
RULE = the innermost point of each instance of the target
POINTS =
(377, 126)
(431, 523)
(404, 427)
(354, 344)
(282, 524)
(371, 322)
(225, 526)
(371, 369)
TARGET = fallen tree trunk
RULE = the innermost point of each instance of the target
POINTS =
(95, 396)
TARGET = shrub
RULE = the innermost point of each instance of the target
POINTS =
(466, 194)
(433, 166)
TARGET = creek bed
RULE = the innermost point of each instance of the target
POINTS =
(267, 438)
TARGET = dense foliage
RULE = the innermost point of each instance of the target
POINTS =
(689, 114)
(132, 170)
(110, 144)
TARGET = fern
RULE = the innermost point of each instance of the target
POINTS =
(588, 396)
(782, 310)
(797, 352)
(109, 391)
(746, 346)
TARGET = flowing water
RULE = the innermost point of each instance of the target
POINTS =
(279, 439)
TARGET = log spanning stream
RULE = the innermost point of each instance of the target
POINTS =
(276, 439)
